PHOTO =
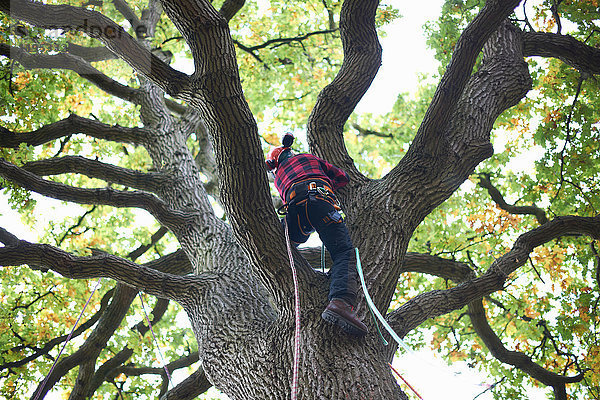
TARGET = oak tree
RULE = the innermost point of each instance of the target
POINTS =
(101, 114)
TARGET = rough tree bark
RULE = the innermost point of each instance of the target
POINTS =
(239, 298)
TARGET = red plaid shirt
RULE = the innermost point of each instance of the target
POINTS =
(306, 166)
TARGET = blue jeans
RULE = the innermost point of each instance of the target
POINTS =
(319, 214)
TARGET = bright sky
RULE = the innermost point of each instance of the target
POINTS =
(404, 56)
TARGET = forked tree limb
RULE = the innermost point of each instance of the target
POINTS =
(518, 359)
(458, 72)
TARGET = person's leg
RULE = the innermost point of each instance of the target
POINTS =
(344, 278)
(335, 236)
(299, 228)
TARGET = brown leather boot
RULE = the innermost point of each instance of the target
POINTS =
(340, 313)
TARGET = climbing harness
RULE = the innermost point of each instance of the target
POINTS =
(309, 191)
(155, 340)
(294, 394)
(45, 381)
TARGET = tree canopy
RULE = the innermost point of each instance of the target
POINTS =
(132, 141)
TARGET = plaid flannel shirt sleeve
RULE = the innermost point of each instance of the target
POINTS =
(338, 177)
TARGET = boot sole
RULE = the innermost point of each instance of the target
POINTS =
(340, 321)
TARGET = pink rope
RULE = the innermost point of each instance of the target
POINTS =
(43, 385)
(297, 311)
(404, 380)
(155, 341)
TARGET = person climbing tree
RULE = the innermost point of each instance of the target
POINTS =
(306, 184)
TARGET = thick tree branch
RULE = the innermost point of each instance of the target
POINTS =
(231, 7)
(564, 47)
(486, 183)
(458, 72)
(72, 125)
(459, 272)
(88, 352)
(362, 58)
(105, 371)
(239, 157)
(73, 63)
(90, 54)
(193, 386)
(148, 181)
(107, 31)
(105, 196)
(425, 178)
(520, 360)
(126, 11)
(439, 302)
(142, 277)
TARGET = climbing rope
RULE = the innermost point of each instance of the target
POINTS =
(45, 381)
(162, 360)
(375, 311)
(297, 312)
(404, 380)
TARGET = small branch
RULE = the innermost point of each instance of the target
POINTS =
(486, 183)
(274, 43)
(367, 132)
(76, 225)
(72, 125)
(567, 138)
(554, 10)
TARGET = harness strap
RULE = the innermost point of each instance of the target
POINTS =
(311, 190)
